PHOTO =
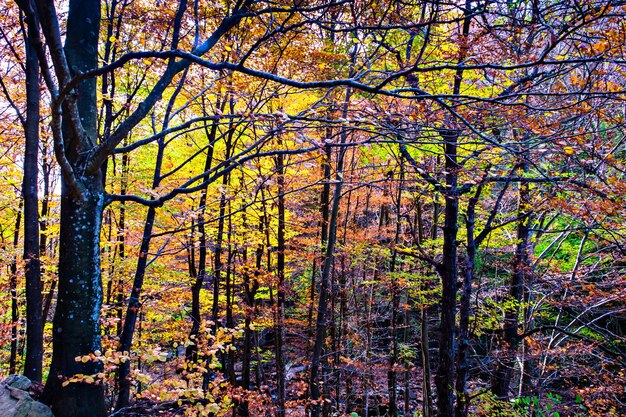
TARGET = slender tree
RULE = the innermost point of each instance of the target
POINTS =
(34, 319)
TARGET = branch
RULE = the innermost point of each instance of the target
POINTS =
(423, 257)
(553, 180)
(614, 355)
(425, 175)
(209, 177)
(106, 148)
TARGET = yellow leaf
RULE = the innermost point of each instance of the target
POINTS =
(568, 150)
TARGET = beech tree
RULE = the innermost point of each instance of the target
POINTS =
(28, 114)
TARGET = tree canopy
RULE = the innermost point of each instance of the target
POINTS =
(333, 207)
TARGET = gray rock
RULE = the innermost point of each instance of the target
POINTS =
(15, 401)
(18, 381)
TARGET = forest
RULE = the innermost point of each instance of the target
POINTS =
(320, 208)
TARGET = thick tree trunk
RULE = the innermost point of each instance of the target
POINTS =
(76, 325)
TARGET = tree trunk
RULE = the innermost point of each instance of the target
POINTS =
(229, 284)
(448, 270)
(15, 316)
(446, 370)
(134, 306)
(132, 311)
(323, 225)
(250, 287)
(465, 311)
(280, 293)
(76, 324)
(392, 375)
(329, 252)
(501, 380)
(43, 227)
(191, 353)
(217, 268)
(34, 321)
(427, 398)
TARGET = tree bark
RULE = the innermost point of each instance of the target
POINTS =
(465, 310)
(34, 320)
(15, 316)
(280, 293)
(191, 353)
(132, 311)
(427, 399)
(446, 370)
(392, 375)
(448, 271)
(76, 324)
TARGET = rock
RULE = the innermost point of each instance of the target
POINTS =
(15, 401)
(18, 381)
(18, 394)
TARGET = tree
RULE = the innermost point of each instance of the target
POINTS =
(29, 118)
(34, 304)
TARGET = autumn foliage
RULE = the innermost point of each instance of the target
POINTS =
(324, 208)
